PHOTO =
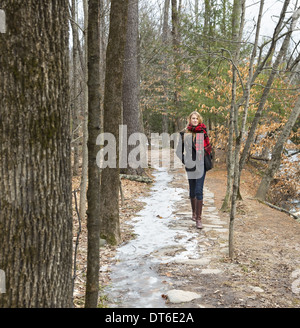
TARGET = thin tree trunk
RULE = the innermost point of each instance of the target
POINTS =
(197, 13)
(35, 155)
(277, 153)
(238, 24)
(93, 193)
(103, 41)
(165, 40)
(246, 97)
(75, 100)
(110, 225)
(274, 40)
(209, 29)
(84, 170)
(223, 17)
(232, 119)
(176, 43)
(207, 17)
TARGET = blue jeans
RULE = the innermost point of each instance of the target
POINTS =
(196, 187)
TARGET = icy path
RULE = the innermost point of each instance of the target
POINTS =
(135, 282)
(165, 234)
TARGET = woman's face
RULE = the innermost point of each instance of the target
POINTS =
(194, 120)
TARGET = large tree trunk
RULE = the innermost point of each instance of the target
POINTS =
(110, 183)
(93, 193)
(277, 152)
(131, 86)
(35, 175)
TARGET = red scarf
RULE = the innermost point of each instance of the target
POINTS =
(200, 128)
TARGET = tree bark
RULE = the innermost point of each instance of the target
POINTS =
(236, 13)
(110, 226)
(238, 24)
(165, 41)
(103, 43)
(35, 175)
(277, 152)
(75, 79)
(93, 193)
(246, 98)
(176, 43)
(84, 170)
(197, 13)
(131, 86)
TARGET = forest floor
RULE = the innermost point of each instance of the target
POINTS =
(265, 270)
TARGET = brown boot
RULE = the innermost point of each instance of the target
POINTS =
(199, 204)
(193, 203)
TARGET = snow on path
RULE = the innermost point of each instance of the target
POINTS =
(160, 232)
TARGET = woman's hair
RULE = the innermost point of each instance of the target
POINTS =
(200, 119)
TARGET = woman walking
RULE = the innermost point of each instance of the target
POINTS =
(192, 148)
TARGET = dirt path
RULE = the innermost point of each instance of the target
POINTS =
(265, 271)
(265, 268)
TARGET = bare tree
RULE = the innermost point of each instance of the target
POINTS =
(176, 43)
(240, 133)
(131, 86)
(236, 38)
(239, 162)
(165, 41)
(110, 183)
(84, 170)
(238, 16)
(93, 193)
(75, 84)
